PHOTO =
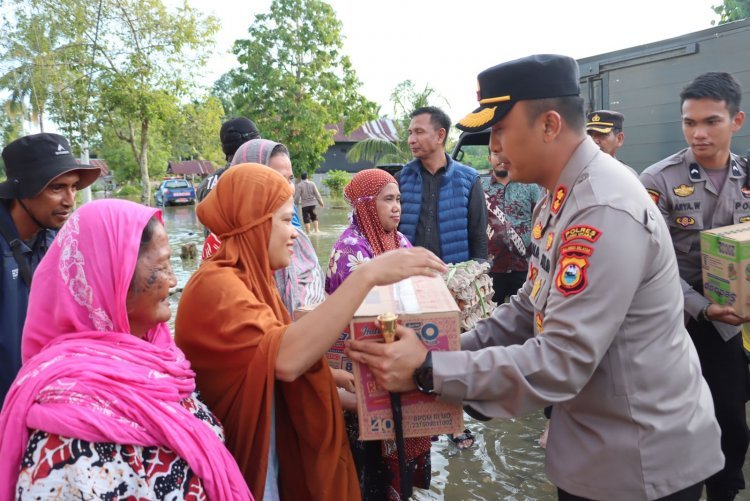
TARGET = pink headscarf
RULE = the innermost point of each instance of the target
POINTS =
(85, 376)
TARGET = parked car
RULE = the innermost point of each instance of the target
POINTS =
(174, 191)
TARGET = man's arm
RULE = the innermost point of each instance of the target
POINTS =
(317, 195)
(477, 222)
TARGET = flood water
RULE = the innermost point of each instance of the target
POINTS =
(506, 462)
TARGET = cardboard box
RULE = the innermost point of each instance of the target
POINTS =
(425, 305)
(725, 258)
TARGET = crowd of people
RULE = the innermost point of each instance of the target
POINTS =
(597, 271)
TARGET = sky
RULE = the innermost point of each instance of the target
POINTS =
(445, 44)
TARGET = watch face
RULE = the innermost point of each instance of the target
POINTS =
(424, 380)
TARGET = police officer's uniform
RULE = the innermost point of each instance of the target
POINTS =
(690, 203)
(597, 331)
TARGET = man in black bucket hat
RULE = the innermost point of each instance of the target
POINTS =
(596, 331)
(35, 201)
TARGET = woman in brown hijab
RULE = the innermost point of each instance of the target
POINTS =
(262, 375)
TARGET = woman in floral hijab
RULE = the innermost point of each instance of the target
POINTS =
(376, 203)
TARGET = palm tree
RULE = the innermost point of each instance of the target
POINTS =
(405, 99)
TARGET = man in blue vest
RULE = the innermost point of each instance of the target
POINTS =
(35, 201)
(442, 201)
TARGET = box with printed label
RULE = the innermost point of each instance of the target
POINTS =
(725, 259)
(425, 305)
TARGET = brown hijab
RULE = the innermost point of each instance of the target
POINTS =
(230, 322)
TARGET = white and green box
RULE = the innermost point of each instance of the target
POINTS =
(725, 258)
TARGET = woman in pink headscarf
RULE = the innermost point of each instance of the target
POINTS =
(104, 405)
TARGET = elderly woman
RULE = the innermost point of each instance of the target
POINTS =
(376, 211)
(104, 405)
(264, 376)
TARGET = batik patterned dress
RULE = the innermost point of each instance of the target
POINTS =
(62, 468)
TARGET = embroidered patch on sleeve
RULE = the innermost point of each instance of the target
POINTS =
(559, 199)
(655, 196)
(581, 232)
(571, 275)
(685, 221)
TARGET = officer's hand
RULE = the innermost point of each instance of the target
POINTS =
(726, 314)
(392, 364)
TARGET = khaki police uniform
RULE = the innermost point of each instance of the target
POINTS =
(597, 331)
(690, 203)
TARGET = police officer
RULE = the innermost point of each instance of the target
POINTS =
(605, 128)
(596, 330)
(705, 186)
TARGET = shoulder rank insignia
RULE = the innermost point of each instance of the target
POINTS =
(685, 221)
(655, 195)
(571, 274)
(537, 231)
(539, 320)
(559, 199)
(582, 232)
(736, 172)
(695, 172)
(683, 190)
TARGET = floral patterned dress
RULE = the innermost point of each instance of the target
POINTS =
(376, 461)
(61, 468)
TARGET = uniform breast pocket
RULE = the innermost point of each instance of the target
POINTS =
(687, 224)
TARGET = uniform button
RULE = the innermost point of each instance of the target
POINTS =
(651, 214)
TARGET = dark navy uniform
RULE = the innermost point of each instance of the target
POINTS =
(690, 203)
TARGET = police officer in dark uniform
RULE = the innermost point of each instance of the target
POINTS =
(701, 187)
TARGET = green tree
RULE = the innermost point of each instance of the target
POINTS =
(405, 99)
(194, 131)
(29, 59)
(731, 10)
(293, 79)
(129, 63)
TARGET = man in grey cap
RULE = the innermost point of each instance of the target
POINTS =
(597, 329)
(35, 201)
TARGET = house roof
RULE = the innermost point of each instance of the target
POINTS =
(200, 167)
(383, 128)
(96, 162)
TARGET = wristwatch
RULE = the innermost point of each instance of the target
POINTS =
(423, 376)
(703, 314)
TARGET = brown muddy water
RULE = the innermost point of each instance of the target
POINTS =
(505, 463)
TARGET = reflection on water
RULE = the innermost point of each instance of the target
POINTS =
(506, 461)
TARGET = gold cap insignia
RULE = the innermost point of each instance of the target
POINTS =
(596, 118)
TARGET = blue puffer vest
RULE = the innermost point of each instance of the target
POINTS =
(453, 207)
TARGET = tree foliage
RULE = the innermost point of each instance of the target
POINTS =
(731, 10)
(405, 99)
(293, 79)
(121, 64)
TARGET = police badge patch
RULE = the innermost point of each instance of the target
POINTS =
(571, 274)
(685, 221)
(683, 190)
(537, 231)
